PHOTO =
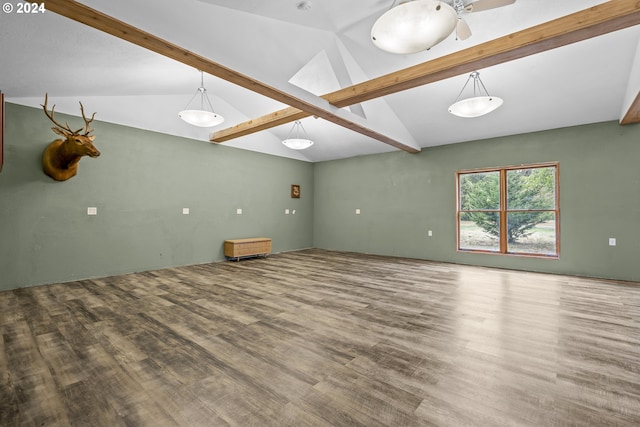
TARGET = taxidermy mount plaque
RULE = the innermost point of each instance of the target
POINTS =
(60, 159)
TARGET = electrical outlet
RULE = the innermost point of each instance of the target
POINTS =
(430, 233)
(92, 211)
(185, 211)
(239, 211)
(612, 241)
(357, 211)
(286, 211)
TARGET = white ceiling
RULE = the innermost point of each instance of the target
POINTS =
(325, 47)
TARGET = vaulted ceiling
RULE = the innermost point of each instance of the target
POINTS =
(302, 53)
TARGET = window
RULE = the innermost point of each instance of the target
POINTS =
(510, 210)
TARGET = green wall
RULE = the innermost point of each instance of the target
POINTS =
(401, 196)
(143, 180)
(139, 184)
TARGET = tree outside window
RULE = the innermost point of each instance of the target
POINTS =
(510, 210)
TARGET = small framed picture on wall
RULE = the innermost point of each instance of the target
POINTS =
(295, 191)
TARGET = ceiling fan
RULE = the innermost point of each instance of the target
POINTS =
(418, 25)
(463, 31)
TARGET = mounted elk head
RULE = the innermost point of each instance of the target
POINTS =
(60, 158)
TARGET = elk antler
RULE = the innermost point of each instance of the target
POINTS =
(67, 128)
(87, 130)
(51, 116)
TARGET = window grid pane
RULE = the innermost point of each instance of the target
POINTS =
(480, 191)
(480, 231)
(539, 238)
(531, 188)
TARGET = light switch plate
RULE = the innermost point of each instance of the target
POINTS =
(185, 211)
(239, 211)
(357, 211)
(612, 241)
(92, 211)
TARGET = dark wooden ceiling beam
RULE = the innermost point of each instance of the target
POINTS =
(317, 107)
(592, 22)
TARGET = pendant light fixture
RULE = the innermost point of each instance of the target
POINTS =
(414, 26)
(479, 104)
(297, 140)
(201, 117)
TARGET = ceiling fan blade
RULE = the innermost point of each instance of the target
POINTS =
(480, 5)
(463, 31)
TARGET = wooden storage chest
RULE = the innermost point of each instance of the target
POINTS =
(241, 248)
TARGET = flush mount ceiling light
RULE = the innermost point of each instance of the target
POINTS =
(414, 26)
(477, 105)
(201, 117)
(301, 141)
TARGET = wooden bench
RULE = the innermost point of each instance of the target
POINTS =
(243, 248)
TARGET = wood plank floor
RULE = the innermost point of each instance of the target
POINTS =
(321, 338)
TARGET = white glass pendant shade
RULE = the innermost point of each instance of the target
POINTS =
(476, 106)
(414, 26)
(201, 117)
(298, 143)
(297, 139)
(479, 104)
